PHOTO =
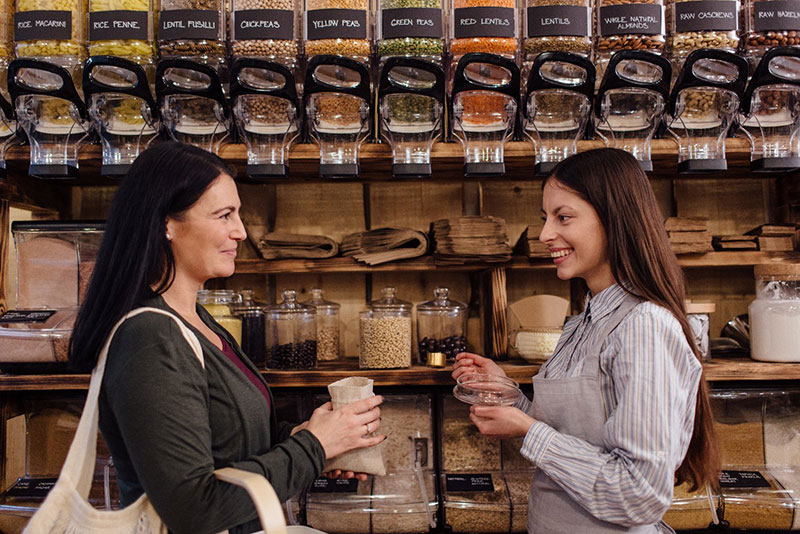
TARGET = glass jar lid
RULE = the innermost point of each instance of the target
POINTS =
(218, 296)
(442, 303)
(322, 305)
(389, 302)
(289, 307)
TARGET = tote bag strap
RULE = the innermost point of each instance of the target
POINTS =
(79, 466)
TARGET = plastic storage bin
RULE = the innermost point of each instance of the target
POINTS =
(519, 491)
(464, 448)
(407, 422)
(739, 422)
(340, 506)
(26, 341)
(55, 261)
(775, 314)
(476, 502)
(694, 24)
(122, 28)
(692, 511)
(404, 503)
(758, 500)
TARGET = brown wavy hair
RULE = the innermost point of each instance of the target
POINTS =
(613, 182)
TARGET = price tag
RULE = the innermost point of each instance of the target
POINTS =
(469, 482)
(26, 316)
(31, 488)
(327, 485)
(742, 479)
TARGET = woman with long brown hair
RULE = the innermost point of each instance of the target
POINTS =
(620, 413)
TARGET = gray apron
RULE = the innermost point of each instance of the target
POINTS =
(574, 406)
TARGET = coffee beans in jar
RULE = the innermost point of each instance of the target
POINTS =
(450, 346)
(500, 37)
(121, 28)
(557, 26)
(65, 35)
(301, 355)
(339, 27)
(191, 28)
(271, 32)
(411, 28)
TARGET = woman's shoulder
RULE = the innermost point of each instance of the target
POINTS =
(650, 323)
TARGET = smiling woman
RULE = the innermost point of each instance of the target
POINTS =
(168, 419)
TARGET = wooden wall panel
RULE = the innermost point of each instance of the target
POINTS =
(413, 204)
(733, 206)
(333, 210)
(732, 290)
(519, 203)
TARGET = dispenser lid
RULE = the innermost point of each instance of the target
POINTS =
(320, 303)
(290, 306)
(111, 74)
(389, 302)
(561, 70)
(710, 68)
(635, 68)
(255, 76)
(404, 75)
(442, 302)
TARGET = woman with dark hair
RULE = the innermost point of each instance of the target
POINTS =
(168, 420)
(620, 412)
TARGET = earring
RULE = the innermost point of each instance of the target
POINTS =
(169, 237)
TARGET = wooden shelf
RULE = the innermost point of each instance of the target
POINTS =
(720, 369)
(517, 263)
(375, 161)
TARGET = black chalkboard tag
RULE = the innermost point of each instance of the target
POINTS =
(469, 482)
(26, 316)
(742, 479)
(327, 485)
(31, 488)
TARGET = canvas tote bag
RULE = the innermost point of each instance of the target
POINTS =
(66, 510)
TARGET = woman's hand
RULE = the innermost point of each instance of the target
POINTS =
(468, 363)
(347, 428)
(501, 421)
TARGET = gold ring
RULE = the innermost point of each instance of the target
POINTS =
(367, 425)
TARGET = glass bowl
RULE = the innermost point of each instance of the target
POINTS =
(487, 390)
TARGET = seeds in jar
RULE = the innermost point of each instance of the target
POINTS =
(328, 343)
(269, 47)
(385, 342)
(341, 45)
(407, 45)
(301, 355)
(502, 45)
(536, 42)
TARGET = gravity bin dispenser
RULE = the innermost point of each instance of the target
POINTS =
(122, 109)
(266, 111)
(770, 111)
(8, 131)
(52, 114)
(337, 96)
(703, 105)
(411, 97)
(558, 104)
(193, 107)
(631, 101)
(485, 102)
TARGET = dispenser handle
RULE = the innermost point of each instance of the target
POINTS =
(141, 89)
(67, 90)
(687, 78)
(238, 88)
(213, 91)
(7, 109)
(762, 75)
(611, 80)
(388, 87)
(461, 83)
(312, 85)
(537, 82)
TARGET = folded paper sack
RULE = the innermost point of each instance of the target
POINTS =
(369, 460)
(281, 245)
(382, 245)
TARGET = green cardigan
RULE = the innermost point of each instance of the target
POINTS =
(169, 424)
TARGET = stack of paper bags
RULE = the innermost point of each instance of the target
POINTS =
(689, 235)
(775, 237)
(471, 238)
(382, 245)
(529, 244)
(276, 245)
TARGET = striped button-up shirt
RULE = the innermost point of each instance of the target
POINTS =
(649, 379)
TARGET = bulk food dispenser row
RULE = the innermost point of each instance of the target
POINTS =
(271, 73)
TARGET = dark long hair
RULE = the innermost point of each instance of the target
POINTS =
(613, 182)
(135, 255)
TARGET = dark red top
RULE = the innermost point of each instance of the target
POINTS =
(232, 356)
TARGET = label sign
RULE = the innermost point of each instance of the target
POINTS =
(469, 482)
(275, 24)
(484, 22)
(26, 316)
(742, 479)
(411, 22)
(643, 19)
(109, 25)
(198, 24)
(776, 15)
(705, 15)
(31, 488)
(43, 24)
(336, 23)
(327, 485)
(558, 20)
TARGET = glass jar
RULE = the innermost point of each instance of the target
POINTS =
(254, 328)
(775, 314)
(52, 30)
(441, 326)
(769, 23)
(617, 31)
(219, 303)
(192, 28)
(6, 39)
(557, 26)
(122, 28)
(328, 326)
(698, 313)
(385, 333)
(339, 27)
(468, 34)
(410, 28)
(267, 29)
(291, 334)
(696, 24)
